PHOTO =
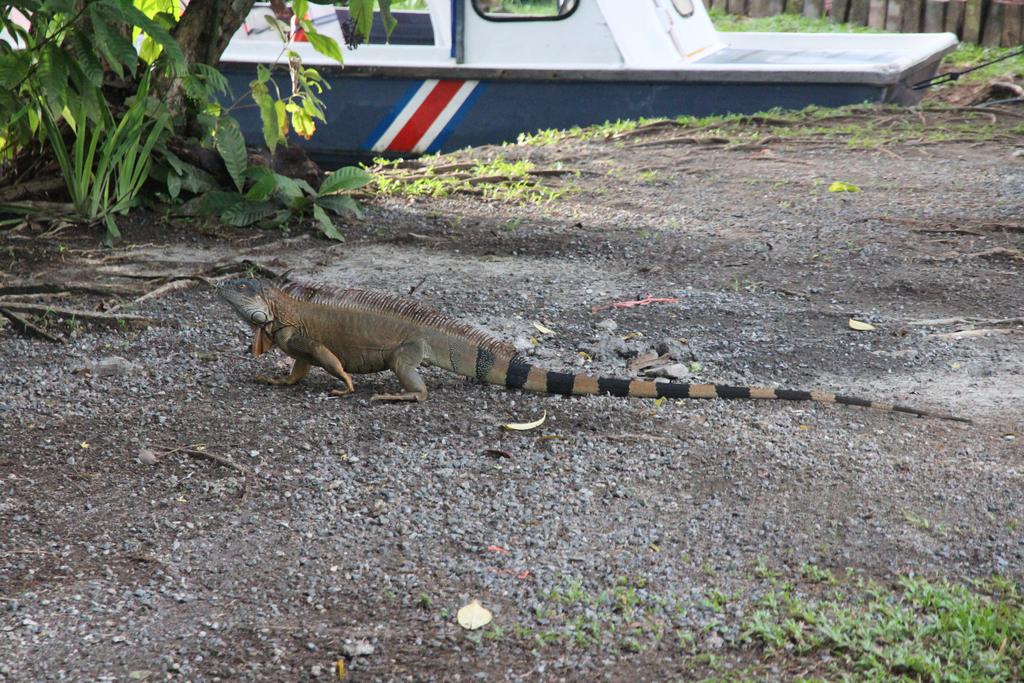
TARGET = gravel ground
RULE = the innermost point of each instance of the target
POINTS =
(307, 529)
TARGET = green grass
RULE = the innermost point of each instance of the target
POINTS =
(494, 179)
(857, 126)
(830, 627)
(917, 630)
(782, 23)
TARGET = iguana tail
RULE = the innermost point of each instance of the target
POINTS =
(517, 373)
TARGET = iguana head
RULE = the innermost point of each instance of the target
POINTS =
(246, 296)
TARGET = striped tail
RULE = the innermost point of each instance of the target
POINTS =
(522, 375)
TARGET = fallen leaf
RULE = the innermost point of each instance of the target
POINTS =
(525, 574)
(474, 616)
(860, 325)
(840, 186)
(526, 426)
(534, 341)
(497, 453)
(497, 549)
(84, 444)
(633, 335)
(659, 402)
(584, 355)
(341, 669)
(542, 329)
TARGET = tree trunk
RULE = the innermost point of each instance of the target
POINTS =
(206, 27)
(204, 30)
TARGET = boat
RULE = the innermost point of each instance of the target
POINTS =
(472, 72)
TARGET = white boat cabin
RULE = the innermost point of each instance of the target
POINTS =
(624, 36)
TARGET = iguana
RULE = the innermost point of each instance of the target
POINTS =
(348, 331)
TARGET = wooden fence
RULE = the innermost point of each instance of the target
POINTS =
(988, 22)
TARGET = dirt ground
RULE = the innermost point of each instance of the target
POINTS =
(291, 530)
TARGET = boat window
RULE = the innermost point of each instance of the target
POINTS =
(522, 10)
(684, 7)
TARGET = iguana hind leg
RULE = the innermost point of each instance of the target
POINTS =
(403, 362)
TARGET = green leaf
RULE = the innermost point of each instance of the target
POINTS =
(840, 186)
(282, 29)
(158, 33)
(305, 187)
(115, 48)
(215, 203)
(346, 178)
(113, 234)
(361, 12)
(173, 185)
(325, 45)
(326, 224)
(385, 16)
(300, 7)
(340, 204)
(289, 188)
(282, 117)
(231, 146)
(246, 213)
(264, 187)
(302, 123)
(85, 55)
(53, 76)
(13, 67)
(272, 133)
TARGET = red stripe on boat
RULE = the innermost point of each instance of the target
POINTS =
(423, 117)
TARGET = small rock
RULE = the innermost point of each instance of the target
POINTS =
(147, 456)
(316, 670)
(672, 371)
(112, 366)
(360, 648)
(675, 349)
(608, 324)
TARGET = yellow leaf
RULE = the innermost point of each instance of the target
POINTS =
(632, 335)
(525, 426)
(84, 444)
(860, 325)
(840, 186)
(584, 355)
(534, 341)
(804, 428)
(659, 402)
(341, 669)
(474, 616)
(542, 329)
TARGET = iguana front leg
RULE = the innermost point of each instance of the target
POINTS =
(403, 362)
(308, 352)
(299, 370)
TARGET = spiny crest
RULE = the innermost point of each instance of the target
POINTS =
(323, 294)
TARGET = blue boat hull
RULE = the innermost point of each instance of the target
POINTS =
(364, 110)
